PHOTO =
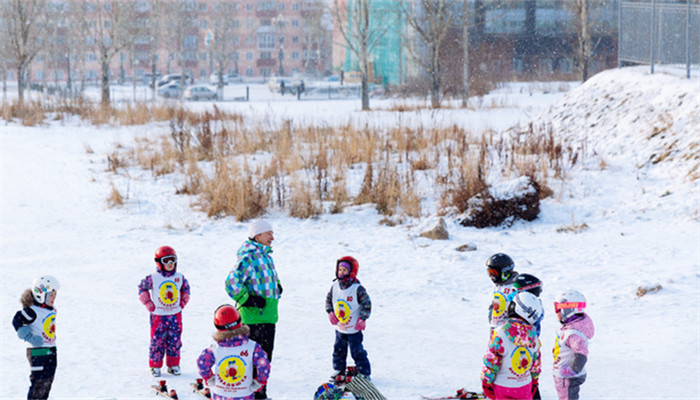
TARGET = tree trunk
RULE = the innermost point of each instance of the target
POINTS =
(465, 59)
(105, 81)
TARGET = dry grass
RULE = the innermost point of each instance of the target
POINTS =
(115, 199)
(251, 168)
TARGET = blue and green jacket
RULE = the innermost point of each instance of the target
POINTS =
(255, 274)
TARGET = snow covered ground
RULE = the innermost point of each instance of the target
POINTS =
(428, 330)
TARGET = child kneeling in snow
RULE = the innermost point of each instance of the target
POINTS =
(571, 347)
(242, 367)
(512, 363)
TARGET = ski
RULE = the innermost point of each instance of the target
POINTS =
(162, 389)
(461, 394)
(198, 387)
(362, 387)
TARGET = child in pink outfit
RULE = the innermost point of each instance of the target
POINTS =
(571, 347)
(165, 294)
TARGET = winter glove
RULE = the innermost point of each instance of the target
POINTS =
(255, 301)
(25, 334)
(279, 285)
(488, 390)
(211, 381)
(145, 298)
(184, 299)
(256, 386)
(360, 325)
(536, 390)
(567, 371)
(331, 317)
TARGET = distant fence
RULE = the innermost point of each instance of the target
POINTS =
(655, 32)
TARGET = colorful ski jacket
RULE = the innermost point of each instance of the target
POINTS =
(513, 356)
(572, 338)
(39, 318)
(255, 274)
(168, 292)
(499, 303)
(233, 359)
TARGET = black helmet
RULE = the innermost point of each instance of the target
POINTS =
(528, 283)
(500, 267)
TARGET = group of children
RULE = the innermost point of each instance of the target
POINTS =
(512, 363)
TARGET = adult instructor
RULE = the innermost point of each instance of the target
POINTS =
(254, 285)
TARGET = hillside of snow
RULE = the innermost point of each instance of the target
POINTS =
(617, 225)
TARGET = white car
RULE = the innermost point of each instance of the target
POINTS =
(199, 92)
(214, 79)
(171, 90)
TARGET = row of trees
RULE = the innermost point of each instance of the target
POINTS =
(362, 27)
(107, 27)
(64, 32)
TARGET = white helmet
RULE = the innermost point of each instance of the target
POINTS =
(570, 302)
(526, 306)
(43, 285)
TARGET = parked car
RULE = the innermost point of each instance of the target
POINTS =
(235, 78)
(199, 92)
(214, 78)
(173, 78)
(291, 85)
(171, 90)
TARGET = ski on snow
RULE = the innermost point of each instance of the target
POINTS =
(162, 389)
(461, 394)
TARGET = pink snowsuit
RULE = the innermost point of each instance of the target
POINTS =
(572, 338)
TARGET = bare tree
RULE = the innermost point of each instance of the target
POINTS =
(24, 36)
(182, 17)
(361, 26)
(315, 34)
(585, 13)
(114, 28)
(223, 41)
(154, 32)
(431, 20)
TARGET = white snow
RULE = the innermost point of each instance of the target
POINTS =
(428, 330)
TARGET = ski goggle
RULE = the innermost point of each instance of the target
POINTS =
(569, 304)
(168, 260)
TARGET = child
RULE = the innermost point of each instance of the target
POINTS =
(501, 270)
(512, 363)
(348, 306)
(571, 346)
(36, 324)
(532, 284)
(165, 294)
(235, 356)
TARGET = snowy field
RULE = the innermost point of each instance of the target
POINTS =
(428, 330)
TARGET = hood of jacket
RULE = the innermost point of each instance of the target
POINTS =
(582, 323)
(520, 333)
(232, 338)
(27, 299)
(252, 247)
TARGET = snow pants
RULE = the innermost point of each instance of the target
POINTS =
(264, 335)
(568, 388)
(519, 393)
(357, 351)
(43, 362)
(166, 339)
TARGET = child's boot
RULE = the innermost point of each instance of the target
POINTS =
(175, 370)
(155, 372)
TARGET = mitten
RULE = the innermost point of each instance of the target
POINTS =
(255, 301)
(256, 386)
(26, 334)
(360, 325)
(184, 299)
(566, 371)
(331, 317)
(145, 298)
(488, 390)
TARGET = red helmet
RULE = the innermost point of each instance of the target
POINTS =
(166, 252)
(348, 262)
(227, 318)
